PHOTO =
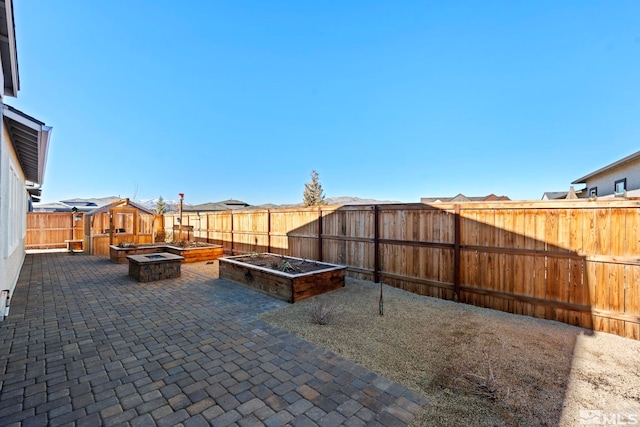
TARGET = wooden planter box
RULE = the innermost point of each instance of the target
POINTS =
(195, 254)
(290, 287)
(119, 255)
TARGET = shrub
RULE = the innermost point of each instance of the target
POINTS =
(486, 379)
(322, 313)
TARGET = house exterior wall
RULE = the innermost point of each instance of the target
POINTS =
(606, 181)
(13, 207)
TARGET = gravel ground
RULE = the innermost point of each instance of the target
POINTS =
(477, 367)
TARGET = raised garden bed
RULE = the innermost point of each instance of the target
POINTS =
(287, 278)
(202, 252)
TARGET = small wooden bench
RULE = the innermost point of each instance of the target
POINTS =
(74, 245)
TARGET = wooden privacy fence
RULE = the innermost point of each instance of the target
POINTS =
(49, 230)
(576, 262)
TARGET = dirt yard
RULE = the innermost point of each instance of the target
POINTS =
(477, 367)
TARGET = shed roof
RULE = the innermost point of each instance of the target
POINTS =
(615, 164)
(125, 202)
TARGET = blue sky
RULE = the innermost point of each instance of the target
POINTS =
(385, 99)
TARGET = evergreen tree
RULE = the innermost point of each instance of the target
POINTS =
(313, 193)
(160, 206)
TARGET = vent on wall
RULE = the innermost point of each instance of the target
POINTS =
(4, 304)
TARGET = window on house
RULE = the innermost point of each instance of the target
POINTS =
(593, 192)
(620, 186)
(16, 216)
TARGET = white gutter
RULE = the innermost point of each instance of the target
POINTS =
(43, 148)
(13, 53)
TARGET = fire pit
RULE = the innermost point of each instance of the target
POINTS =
(151, 267)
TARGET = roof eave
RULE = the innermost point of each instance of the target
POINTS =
(38, 143)
(10, 61)
(622, 161)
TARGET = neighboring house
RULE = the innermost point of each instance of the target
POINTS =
(560, 195)
(554, 195)
(24, 143)
(224, 205)
(80, 205)
(83, 204)
(462, 198)
(619, 179)
(52, 207)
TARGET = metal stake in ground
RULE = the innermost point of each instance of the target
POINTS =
(181, 195)
(381, 304)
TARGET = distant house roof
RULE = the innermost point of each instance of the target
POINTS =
(51, 207)
(30, 138)
(34, 191)
(462, 198)
(71, 203)
(233, 202)
(95, 202)
(224, 205)
(206, 207)
(615, 164)
(80, 205)
(554, 195)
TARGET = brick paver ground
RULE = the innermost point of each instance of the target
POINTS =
(86, 345)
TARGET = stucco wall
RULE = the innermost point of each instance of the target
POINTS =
(12, 250)
(605, 182)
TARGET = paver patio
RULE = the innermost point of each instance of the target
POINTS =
(87, 345)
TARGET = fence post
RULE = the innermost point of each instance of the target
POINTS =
(376, 244)
(456, 253)
(231, 232)
(319, 234)
(268, 230)
(207, 227)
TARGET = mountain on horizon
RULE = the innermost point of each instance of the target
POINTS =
(333, 201)
(172, 206)
(348, 200)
